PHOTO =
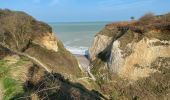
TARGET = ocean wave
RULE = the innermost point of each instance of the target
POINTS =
(73, 41)
(78, 50)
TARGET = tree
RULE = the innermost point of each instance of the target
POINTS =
(132, 17)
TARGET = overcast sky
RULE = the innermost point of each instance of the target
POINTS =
(86, 10)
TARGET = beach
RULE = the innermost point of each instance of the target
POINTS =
(83, 61)
(77, 36)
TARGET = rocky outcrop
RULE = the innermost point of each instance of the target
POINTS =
(128, 50)
(99, 44)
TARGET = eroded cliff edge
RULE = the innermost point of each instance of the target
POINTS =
(131, 60)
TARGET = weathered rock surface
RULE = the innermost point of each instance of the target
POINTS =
(125, 48)
(99, 44)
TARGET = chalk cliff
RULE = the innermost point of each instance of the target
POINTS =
(133, 51)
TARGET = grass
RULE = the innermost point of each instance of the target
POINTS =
(11, 86)
(4, 70)
(114, 95)
(147, 23)
(99, 71)
(19, 28)
(156, 86)
(61, 61)
(106, 32)
(97, 64)
(159, 35)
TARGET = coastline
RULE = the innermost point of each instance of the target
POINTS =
(81, 54)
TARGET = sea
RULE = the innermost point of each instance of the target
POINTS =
(77, 36)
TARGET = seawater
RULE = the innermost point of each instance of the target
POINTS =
(77, 36)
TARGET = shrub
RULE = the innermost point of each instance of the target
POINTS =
(18, 28)
(166, 18)
(147, 19)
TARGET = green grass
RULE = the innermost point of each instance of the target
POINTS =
(98, 71)
(97, 65)
(11, 86)
(114, 95)
(4, 70)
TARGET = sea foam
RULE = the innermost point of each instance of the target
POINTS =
(78, 50)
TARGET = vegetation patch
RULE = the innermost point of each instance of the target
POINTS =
(61, 61)
(18, 29)
(160, 25)
(100, 71)
(10, 85)
(97, 64)
(107, 32)
(55, 86)
(156, 86)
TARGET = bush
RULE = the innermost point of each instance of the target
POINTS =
(147, 19)
(166, 18)
(18, 29)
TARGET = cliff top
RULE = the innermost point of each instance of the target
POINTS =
(22, 33)
(18, 28)
(147, 21)
(148, 25)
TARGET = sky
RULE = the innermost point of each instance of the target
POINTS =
(87, 10)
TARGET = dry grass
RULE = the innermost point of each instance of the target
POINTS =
(147, 22)
(18, 29)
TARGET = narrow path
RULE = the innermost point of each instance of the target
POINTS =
(36, 61)
(84, 62)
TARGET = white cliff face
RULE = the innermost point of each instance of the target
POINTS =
(138, 63)
(99, 44)
(116, 58)
(131, 57)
